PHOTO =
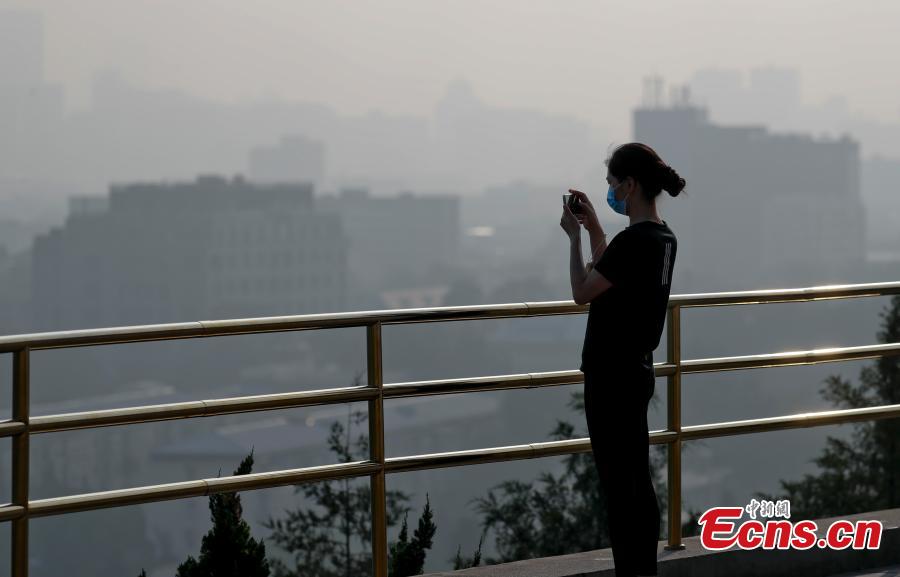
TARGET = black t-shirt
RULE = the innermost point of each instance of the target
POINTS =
(625, 321)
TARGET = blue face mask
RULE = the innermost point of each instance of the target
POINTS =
(616, 205)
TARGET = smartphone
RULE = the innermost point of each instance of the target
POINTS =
(573, 202)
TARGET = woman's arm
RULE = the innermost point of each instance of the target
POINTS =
(577, 274)
(598, 243)
(587, 283)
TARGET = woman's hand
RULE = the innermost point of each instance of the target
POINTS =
(569, 222)
(587, 216)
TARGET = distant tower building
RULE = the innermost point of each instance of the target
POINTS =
(760, 207)
(211, 248)
(652, 94)
(294, 159)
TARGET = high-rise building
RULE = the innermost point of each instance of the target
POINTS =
(761, 207)
(880, 182)
(211, 248)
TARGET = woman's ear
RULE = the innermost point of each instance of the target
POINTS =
(634, 187)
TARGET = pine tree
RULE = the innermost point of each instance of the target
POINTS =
(227, 549)
(408, 556)
(863, 473)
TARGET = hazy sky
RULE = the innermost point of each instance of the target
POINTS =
(581, 58)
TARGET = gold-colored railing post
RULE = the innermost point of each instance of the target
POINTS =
(673, 349)
(376, 450)
(20, 465)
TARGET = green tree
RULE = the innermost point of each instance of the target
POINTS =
(227, 549)
(333, 538)
(691, 527)
(408, 556)
(861, 473)
(560, 514)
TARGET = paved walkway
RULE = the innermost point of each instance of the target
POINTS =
(893, 571)
(698, 561)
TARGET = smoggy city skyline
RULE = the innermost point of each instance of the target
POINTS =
(581, 58)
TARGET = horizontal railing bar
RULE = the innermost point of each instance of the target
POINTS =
(473, 457)
(496, 382)
(289, 400)
(501, 454)
(790, 358)
(10, 512)
(800, 420)
(214, 407)
(112, 417)
(192, 409)
(213, 328)
(10, 428)
(824, 292)
(100, 336)
(183, 490)
(186, 489)
(479, 384)
(210, 328)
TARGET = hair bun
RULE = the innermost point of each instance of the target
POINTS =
(642, 163)
(671, 180)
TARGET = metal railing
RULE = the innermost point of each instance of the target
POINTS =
(21, 426)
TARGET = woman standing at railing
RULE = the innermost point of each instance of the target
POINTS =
(627, 285)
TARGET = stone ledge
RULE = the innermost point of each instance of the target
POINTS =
(695, 561)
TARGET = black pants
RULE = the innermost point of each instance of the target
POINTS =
(616, 401)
